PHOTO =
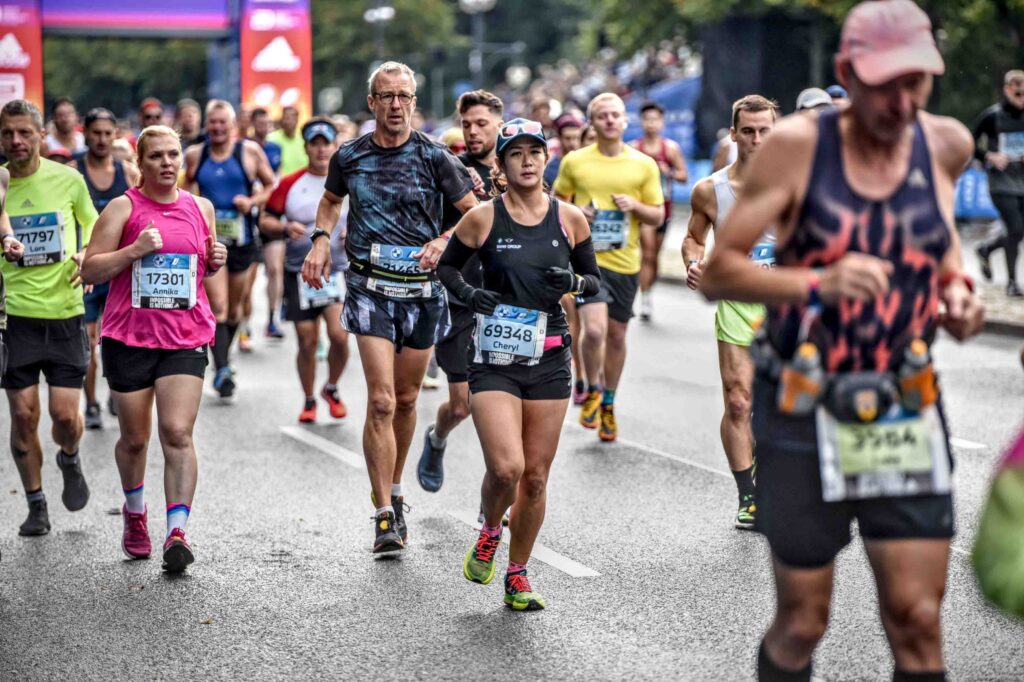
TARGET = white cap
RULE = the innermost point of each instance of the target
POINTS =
(811, 98)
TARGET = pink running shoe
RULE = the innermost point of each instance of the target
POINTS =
(177, 552)
(135, 541)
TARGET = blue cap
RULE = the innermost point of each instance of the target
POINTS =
(836, 91)
(518, 128)
(319, 129)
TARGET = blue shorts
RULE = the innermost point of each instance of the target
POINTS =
(94, 302)
(417, 324)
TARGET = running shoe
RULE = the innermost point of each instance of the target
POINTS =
(746, 513)
(430, 470)
(334, 402)
(112, 406)
(984, 262)
(321, 350)
(589, 411)
(135, 541)
(646, 307)
(177, 552)
(244, 341)
(1013, 291)
(387, 539)
(273, 331)
(76, 491)
(478, 566)
(430, 382)
(308, 414)
(609, 428)
(579, 394)
(93, 416)
(400, 507)
(224, 382)
(38, 520)
(519, 595)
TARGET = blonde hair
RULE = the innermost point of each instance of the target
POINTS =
(601, 98)
(390, 67)
(753, 104)
(222, 105)
(148, 133)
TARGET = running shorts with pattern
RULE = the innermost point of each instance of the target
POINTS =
(417, 324)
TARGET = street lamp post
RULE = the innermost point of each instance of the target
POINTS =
(377, 16)
(476, 9)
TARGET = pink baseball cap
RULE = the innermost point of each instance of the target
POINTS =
(885, 39)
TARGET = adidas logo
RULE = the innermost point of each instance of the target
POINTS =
(27, 204)
(12, 56)
(917, 179)
(277, 56)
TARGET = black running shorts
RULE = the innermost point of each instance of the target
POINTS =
(802, 529)
(618, 291)
(293, 311)
(453, 350)
(549, 379)
(130, 368)
(241, 258)
(59, 349)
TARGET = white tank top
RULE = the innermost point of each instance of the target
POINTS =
(763, 252)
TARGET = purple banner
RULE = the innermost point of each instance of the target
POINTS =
(158, 16)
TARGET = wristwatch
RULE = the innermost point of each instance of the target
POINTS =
(317, 233)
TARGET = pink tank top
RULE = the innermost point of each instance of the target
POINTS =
(184, 231)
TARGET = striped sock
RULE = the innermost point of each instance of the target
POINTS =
(35, 495)
(133, 499)
(177, 517)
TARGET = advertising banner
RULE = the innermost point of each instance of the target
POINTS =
(277, 56)
(21, 52)
(149, 18)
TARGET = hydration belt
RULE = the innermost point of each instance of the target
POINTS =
(361, 267)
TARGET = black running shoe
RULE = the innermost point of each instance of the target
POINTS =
(38, 520)
(984, 262)
(76, 491)
(400, 507)
(430, 470)
(1013, 291)
(387, 538)
(93, 416)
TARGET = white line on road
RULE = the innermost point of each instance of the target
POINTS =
(966, 444)
(677, 458)
(329, 448)
(540, 552)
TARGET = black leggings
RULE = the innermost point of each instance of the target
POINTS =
(1011, 210)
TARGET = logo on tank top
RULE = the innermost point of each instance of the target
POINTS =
(27, 204)
(508, 244)
(554, 242)
(916, 179)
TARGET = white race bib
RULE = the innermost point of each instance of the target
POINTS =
(609, 230)
(330, 292)
(511, 335)
(763, 254)
(165, 281)
(1012, 144)
(399, 261)
(230, 227)
(899, 455)
(43, 237)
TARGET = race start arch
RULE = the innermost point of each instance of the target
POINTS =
(260, 51)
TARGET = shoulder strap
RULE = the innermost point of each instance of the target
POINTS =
(204, 156)
(238, 152)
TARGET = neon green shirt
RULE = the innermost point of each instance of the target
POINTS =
(293, 152)
(588, 176)
(45, 210)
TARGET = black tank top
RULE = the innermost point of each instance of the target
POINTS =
(515, 257)
(906, 229)
(100, 198)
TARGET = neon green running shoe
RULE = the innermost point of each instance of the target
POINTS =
(746, 514)
(478, 566)
(519, 595)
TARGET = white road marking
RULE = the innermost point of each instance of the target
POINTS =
(329, 448)
(677, 458)
(966, 444)
(540, 552)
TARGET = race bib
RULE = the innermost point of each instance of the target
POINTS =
(1012, 144)
(230, 227)
(164, 281)
(609, 230)
(899, 455)
(763, 254)
(329, 293)
(43, 237)
(399, 261)
(510, 335)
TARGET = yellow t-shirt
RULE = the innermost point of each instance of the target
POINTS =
(588, 176)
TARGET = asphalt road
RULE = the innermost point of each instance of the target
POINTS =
(644, 574)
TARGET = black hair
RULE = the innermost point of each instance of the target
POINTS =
(651, 105)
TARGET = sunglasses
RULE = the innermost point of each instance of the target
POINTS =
(528, 128)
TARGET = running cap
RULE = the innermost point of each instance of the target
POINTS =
(812, 98)
(568, 121)
(317, 128)
(516, 128)
(58, 152)
(885, 40)
(151, 102)
(99, 114)
(837, 91)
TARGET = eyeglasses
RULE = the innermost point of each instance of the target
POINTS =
(389, 97)
(528, 128)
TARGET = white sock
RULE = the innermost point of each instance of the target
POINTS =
(381, 510)
(396, 490)
(177, 517)
(434, 440)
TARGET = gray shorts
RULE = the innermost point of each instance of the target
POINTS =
(417, 324)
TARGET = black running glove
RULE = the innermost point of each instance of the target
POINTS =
(483, 301)
(561, 280)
